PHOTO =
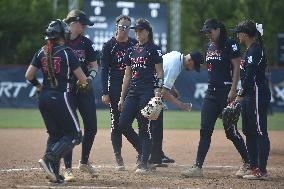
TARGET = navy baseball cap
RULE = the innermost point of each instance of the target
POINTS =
(141, 24)
(197, 58)
(77, 15)
(210, 24)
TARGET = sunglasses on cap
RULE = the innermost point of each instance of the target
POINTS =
(122, 27)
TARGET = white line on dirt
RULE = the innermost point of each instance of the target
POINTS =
(228, 167)
(58, 186)
(112, 166)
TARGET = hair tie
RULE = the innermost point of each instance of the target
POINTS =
(259, 28)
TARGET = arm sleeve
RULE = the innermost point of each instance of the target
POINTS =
(253, 58)
(105, 64)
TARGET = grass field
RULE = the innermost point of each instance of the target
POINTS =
(31, 118)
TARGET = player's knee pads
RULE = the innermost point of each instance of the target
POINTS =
(60, 148)
(204, 133)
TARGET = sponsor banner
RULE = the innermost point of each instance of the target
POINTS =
(15, 92)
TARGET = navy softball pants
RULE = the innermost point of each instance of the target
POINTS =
(87, 108)
(254, 122)
(134, 102)
(214, 102)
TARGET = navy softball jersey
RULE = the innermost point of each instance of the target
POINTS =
(219, 84)
(113, 69)
(113, 66)
(84, 101)
(254, 106)
(142, 60)
(56, 104)
(64, 63)
(219, 63)
(84, 49)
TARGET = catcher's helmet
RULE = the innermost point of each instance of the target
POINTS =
(56, 29)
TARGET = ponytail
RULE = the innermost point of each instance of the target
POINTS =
(258, 38)
(50, 64)
(223, 36)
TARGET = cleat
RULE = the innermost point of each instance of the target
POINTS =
(166, 159)
(120, 163)
(142, 169)
(88, 168)
(256, 174)
(158, 163)
(47, 166)
(151, 166)
(161, 165)
(243, 170)
(194, 171)
(60, 180)
(68, 175)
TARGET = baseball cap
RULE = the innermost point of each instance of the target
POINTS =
(210, 24)
(141, 24)
(197, 58)
(77, 15)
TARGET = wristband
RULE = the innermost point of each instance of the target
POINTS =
(159, 83)
(93, 73)
(241, 92)
(34, 82)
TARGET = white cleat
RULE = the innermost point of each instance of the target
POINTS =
(88, 168)
(68, 175)
(194, 171)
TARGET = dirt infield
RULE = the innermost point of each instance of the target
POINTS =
(20, 150)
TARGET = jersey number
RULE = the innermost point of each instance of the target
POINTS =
(56, 62)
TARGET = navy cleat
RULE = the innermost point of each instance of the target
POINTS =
(166, 159)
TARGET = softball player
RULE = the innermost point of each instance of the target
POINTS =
(223, 60)
(58, 63)
(113, 69)
(85, 102)
(255, 96)
(173, 63)
(139, 86)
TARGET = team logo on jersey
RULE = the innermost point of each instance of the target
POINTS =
(249, 59)
(81, 54)
(159, 52)
(119, 57)
(139, 62)
(234, 47)
(94, 47)
(213, 55)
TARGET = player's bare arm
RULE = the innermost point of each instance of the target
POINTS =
(236, 75)
(170, 98)
(125, 84)
(160, 76)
